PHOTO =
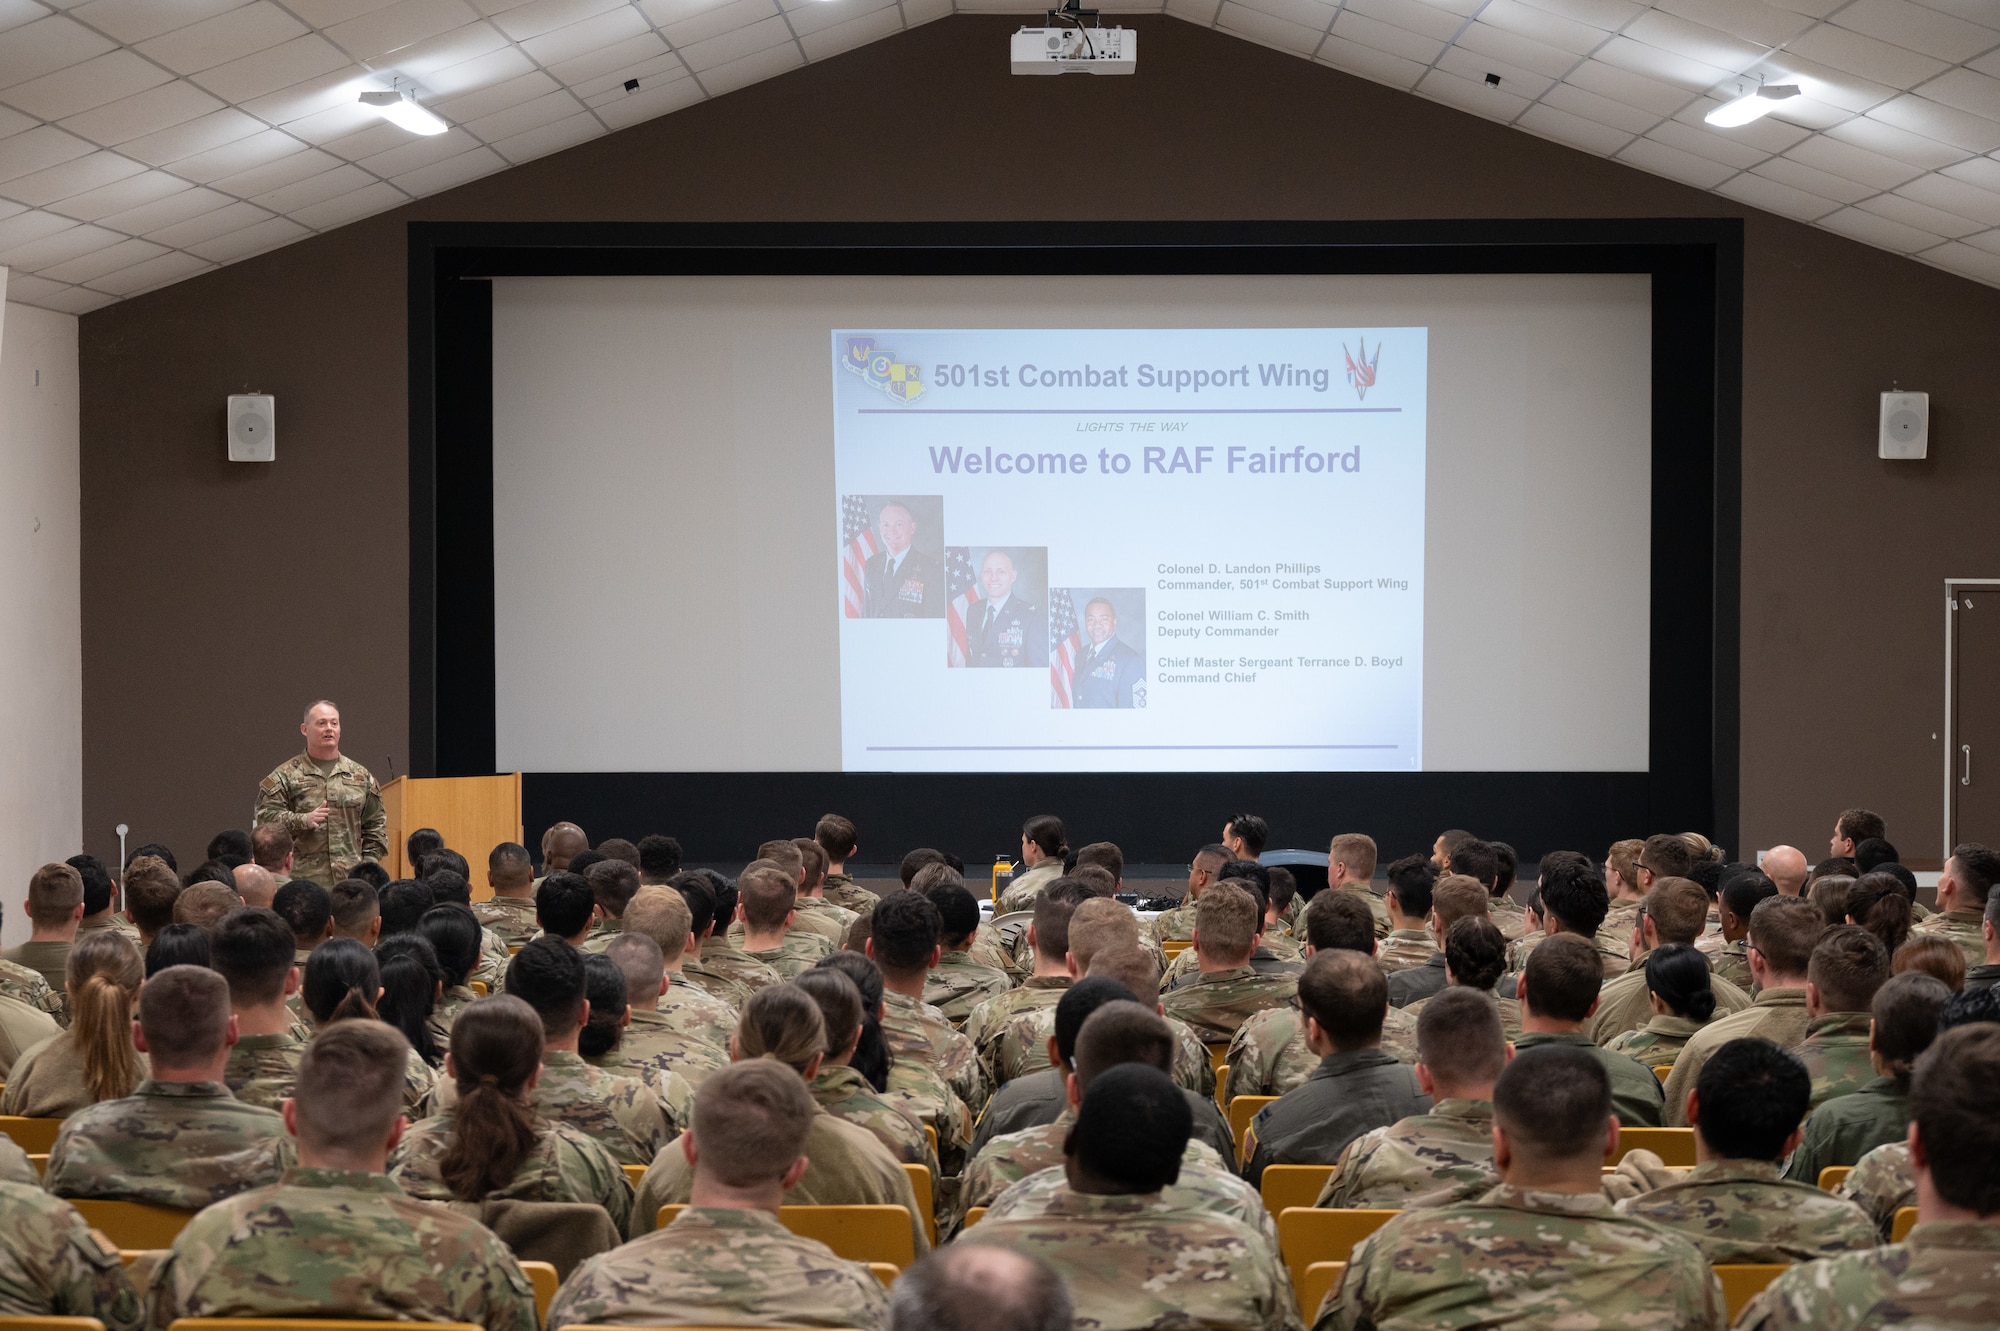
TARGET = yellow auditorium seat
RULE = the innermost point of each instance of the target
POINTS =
(297, 1324)
(542, 1275)
(634, 1173)
(33, 1135)
(1674, 1146)
(874, 1233)
(1663, 1071)
(478, 987)
(40, 1162)
(973, 1216)
(920, 1183)
(1173, 947)
(1292, 1185)
(1319, 1278)
(133, 1224)
(1744, 1282)
(1905, 1221)
(930, 1135)
(886, 1272)
(50, 1324)
(1307, 1235)
(1833, 1176)
(1241, 1110)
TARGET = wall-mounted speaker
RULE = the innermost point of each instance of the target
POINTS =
(253, 427)
(1905, 431)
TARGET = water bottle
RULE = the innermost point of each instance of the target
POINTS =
(1003, 877)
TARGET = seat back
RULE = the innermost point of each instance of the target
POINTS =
(873, 1233)
(920, 1184)
(1241, 1110)
(1173, 947)
(1833, 1176)
(1742, 1282)
(1674, 1146)
(297, 1324)
(477, 986)
(1319, 1280)
(1292, 1185)
(1308, 1235)
(1663, 1071)
(930, 1135)
(33, 1135)
(133, 1224)
(633, 1173)
(542, 1275)
(1218, 1058)
(50, 1324)
(886, 1272)
(973, 1215)
(1905, 1221)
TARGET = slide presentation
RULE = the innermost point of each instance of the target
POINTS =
(1129, 618)
(1084, 523)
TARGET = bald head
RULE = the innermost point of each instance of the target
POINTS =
(561, 844)
(970, 1286)
(1786, 866)
(255, 884)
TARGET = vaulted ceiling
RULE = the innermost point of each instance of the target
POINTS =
(145, 141)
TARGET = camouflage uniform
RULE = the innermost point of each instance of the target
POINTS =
(1944, 1277)
(1520, 1257)
(446, 1012)
(1127, 1264)
(1273, 955)
(262, 1068)
(491, 968)
(1205, 1188)
(917, 1086)
(691, 1011)
(1020, 894)
(335, 1243)
(179, 1144)
(1217, 1003)
(721, 1267)
(1726, 960)
(1658, 1042)
(15, 1167)
(52, 1264)
(1174, 926)
(843, 891)
(32, 988)
(47, 1079)
(994, 949)
(1741, 1211)
(1982, 977)
(1511, 918)
(355, 829)
(1366, 896)
(846, 1094)
(1024, 1051)
(921, 1034)
(653, 1046)
(624, 1115)
(720, 957)
(1346, 1095)
(1843, 1130)
(1835, 1052)
(510, 919)
(1404, 948)
(1434, 1159)
(1011, 1157)
(958, 984)
(796, 955)
(1268, 1055)
(1614, 937)
(1881, 1184)
(1961, 926)
(827, 913)
(1625, 1004)
(1635, 1091)
(1517, 954)
(987, 1023)
(1510, 1019)
(563, 1166)
(50, 960)
(1777, 1015)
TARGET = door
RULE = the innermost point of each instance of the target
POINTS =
(1973, 781)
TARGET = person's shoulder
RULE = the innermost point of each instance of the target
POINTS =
(293, 766)
(1832, 1292)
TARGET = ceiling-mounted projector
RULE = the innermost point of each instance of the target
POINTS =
(1067, 47)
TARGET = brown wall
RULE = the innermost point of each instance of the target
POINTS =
(217, 599)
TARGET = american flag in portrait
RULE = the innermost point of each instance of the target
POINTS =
(857, 545)
(963, 589)
(1065, 645)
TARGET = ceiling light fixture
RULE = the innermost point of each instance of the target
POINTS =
(400, 108)
(1751, 105)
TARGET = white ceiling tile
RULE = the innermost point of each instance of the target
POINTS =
(929, 11)
(714, 20)
(1806, 113)
(1550, 62)
(1256, 26)
(768, 63)
(1986, 64)
(1465, 9)
(1704, 142)
(107, 260)
(130, 192)
(148, 218)
(1474, 67)
(46, 45)
(1305, 13)
(60, 182)
(1981, 172)
(231, 36)
(1589, 135)
(729, 46)
(1763, 192)
(1966, 261)
(1900, 144)
(21, 228)
(265, 235)
(581, 128)
(241, 155)
(1967, 91)
(28, 289)
(76, 300)
(1985, 240)
(1955, 196)
(1610, 15)
(379, 137)
(453, 171)
(1943, 124)
(1972, 11)
(1199, 12)
(1920, 215)
(1662, 65)
(276, 174)
(1587, 105)
(159, 108)
(540, 16)
(1768, 135)
(1539, 25)
(106, 78)
(1673, 163)
(1695, 41)
(193, 136)
(1376, 35)
(577, 39)
(1812, 180)
(859, 31)
(393, 27)
(498, 97)
(1823, 82)
(282, 66)
(326, 13)
(415, 151)
(1750, 20)
(1622, 85)
(152, 273)
(1858, 54)
(14, 13)
(132, 21)
(13, 122)
(310, 97)
(1921, 29)
(642, 48)
(1411, 16)
(314, 189)
(422, 62)
(1879, 231)
(335, 122)
(345, 208)
(209, 225)
(519, 119)
(34, 149)
(471, 75)
(652, 73)
(57, 247)
(1856, 163)
(1369, 63)
(1492, 103)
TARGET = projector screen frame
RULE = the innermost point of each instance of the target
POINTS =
(1696, 266)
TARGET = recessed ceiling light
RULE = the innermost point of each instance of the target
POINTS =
(401, 109)
(1751, 105)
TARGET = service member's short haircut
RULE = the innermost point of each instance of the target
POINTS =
(1053, 906)
(1348, 995)
(1785, 930)
(1476, 860)
(1458, 897)
(618, 848)
(659, 858)
(205, 904)
(813, 856)
(150, 889)
(448, 887)
(1741, 894)
(613, 884)
(1858, 825)
(371, 873)
(97, 885)
(1227, 921)
(768, 894)
(1475, 952)
(1411, 879)
(1562, 978)
(349, 1091)
(178, 945)
(1248, 871)
(1097, 924)
(269, 844)
(1284, 888)
(510, 866)
(1210, 858)
(1094, 879)
(835, 835)
(1122, 1032)
(1623, 859)
(1573, 892)
(580, 862)
(1251, 830)
(971, 1286)
(254, 951)
(563, 905)
(547, 975)
(1340, 921)
(1132, 966)
(1678, 909)
(184, 1013)
(639, 959)
(1459, 1035)
(306, 907)
(1554, 1101)
(661, 914)
(1952, 1094)
(1510, 864)
(750, 1122)
(917, 860)
(1978, 869)
(54, 893)
(1132, 1128)
(353, 904)
(1105, 855)
(1076, 1006)
(1668, 855)
(1848, 965)
(699, 897)
(1874, 851)
(402, 903)
(905, 928)
(158, 852)
(1752, 1094)
(1356, 850)
(784, 854)
(958, 912)
(934, 874)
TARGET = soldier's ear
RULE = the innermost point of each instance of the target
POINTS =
(795, 1173)
(687, 1138)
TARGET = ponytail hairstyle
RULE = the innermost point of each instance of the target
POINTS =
(604, 986)
(496, 1045)
(411, 982)
(1046, 831)
(1679, 974)
(341, 981)
(781, 1022)
(1879, 903)
(103, 973)
(871, 1057)
(839, 1006)
(1906, 1011)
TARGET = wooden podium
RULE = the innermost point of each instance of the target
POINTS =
(473, 814)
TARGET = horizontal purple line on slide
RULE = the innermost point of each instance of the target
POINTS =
(1131, 411)
(1100, 748)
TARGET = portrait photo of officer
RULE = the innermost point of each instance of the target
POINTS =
(1110, 671)
(904, 577)
(1008, 625)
